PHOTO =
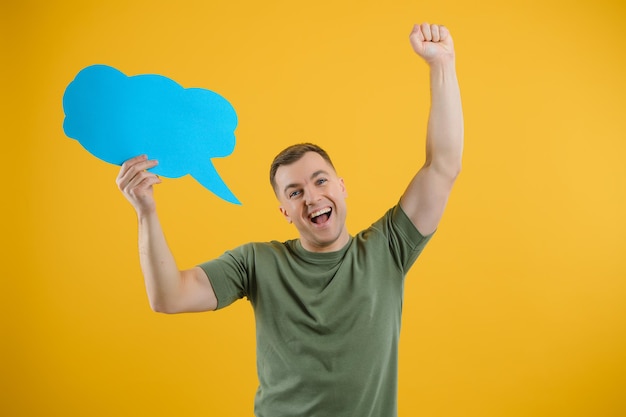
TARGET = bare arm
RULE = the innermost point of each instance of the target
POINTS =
(426, 196)
(169, 289)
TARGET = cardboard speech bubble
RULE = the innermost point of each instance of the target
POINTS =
(116, 117)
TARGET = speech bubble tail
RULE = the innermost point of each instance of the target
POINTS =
(212, 181)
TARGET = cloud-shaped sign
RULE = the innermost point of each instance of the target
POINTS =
(116, 117)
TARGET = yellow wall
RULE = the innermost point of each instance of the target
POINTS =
(517, 307)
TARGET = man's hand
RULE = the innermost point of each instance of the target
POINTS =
(432, 42)
(136, 183)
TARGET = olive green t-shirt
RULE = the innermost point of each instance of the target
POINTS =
(327, 324)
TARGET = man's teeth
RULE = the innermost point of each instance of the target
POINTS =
(320, 212)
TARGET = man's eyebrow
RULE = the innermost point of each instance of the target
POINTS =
(319, 172)
(288, 186)
(313, 176)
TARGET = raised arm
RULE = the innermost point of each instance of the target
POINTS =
(427, 194)
(169, 289)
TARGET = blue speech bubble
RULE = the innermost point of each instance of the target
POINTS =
(116, 117)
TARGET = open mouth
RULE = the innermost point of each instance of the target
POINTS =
(321, 216)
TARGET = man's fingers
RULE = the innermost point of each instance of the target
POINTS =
(434, 30)
(426, 32)
(138, 163)
(128, 164)
(425, 28)
(417, 33)
(443, 33)
(132, 167)
(143, 181)
(140, 183)
(136, 159)
(139, 177)
(135, 182)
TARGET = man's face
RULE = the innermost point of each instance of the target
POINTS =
(312, 197)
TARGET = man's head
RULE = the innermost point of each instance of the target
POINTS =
(293, 153)
(312, 196)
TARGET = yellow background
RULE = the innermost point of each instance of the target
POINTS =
(516, 308)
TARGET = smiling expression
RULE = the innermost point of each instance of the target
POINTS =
(312, 197)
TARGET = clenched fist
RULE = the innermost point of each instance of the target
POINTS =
(432, 42)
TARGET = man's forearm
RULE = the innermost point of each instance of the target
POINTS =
(444, 142)
(161, 274)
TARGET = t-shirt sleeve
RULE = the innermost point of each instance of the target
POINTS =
(229, 275)
(404, 239)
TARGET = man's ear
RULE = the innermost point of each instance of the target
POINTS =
(284, 213)
(343, 188)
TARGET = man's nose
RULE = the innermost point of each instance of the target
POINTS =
(311, 196)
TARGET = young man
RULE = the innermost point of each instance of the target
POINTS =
(327, 305)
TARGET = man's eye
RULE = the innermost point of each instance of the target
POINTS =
(294, 194)
(321, 181)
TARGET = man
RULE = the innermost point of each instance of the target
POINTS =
(327, 305)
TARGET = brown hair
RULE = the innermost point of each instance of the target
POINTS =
(292, 154)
